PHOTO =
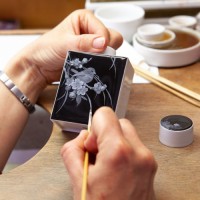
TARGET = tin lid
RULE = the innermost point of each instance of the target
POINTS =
(176, 131)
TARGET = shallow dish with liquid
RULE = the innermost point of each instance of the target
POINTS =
(184, 50)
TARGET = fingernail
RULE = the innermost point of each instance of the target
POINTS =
(99, 43)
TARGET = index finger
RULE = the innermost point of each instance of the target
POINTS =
(95, 26)
(90, 24)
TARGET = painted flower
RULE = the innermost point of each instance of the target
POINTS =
(69, 81)
(85, 60)
(98, 87)
(77, 84)
(76, 63)
(72, 94)
(82, 91)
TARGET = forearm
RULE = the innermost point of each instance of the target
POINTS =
(14, 115)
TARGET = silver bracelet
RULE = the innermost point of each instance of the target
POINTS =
(18, 94)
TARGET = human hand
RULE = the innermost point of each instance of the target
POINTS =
(80, 31)
(41, 62)
(123, 169)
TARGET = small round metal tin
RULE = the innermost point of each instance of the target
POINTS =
(176, 131)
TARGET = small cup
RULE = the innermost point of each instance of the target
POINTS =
(124, 18)
(183, 21)
(151, 32)
(198, 22)
(165, 41)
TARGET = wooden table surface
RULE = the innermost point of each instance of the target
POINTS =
(178, 177)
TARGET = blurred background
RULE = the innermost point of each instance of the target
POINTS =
(37, 13)
(48, 13)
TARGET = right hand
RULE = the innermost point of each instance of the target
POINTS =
(123, 169)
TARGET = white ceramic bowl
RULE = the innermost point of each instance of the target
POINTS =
(151, 32)
(167, 39)
(170, 58)
(124, 18)
(183, 21)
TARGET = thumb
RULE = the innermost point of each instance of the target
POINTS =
(90, 43)
(105, 127)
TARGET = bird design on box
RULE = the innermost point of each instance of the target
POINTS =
(86, 75)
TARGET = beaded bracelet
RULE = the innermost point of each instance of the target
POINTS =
(18, 94)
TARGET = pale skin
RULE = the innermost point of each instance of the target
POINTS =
(40, 64)
(123, 168)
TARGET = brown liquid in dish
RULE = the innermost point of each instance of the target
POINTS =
(183, 40)
(166, 36)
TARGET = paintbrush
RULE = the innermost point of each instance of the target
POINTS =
(86, 162)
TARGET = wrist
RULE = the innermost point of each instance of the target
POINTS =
(26, 76)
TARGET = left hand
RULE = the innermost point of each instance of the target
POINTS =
(80, 31)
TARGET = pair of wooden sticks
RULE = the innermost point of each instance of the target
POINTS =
(178, 90)
(86, 163)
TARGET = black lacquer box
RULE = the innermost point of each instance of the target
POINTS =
(89, 81)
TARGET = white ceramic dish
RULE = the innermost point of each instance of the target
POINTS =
(183, 21)
(167, 38)
(151, 32)
(124, 18)
(171, 57)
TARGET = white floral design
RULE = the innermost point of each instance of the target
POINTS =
(77, 79)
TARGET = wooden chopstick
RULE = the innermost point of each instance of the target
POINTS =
(170, 86)
(86, 162)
